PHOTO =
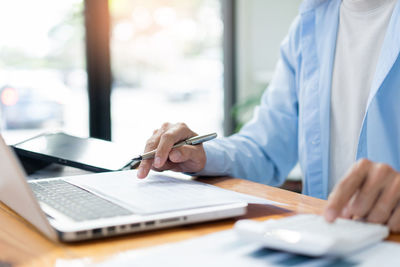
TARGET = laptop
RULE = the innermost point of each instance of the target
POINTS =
(92, 206)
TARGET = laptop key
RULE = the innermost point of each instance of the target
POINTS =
(75, 202)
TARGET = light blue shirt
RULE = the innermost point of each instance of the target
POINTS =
(292, 122)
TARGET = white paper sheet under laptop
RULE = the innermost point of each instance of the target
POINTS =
(106, 204)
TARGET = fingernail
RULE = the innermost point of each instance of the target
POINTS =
(140, 173)
(345, 213)
(175, 155)
(157, 162)
(330, 215)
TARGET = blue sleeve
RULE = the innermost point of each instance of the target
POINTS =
(265, 150)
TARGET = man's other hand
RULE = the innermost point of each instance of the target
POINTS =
(370, 191)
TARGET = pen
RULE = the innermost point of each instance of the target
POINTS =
(149, 155)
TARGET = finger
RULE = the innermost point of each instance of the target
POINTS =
(168, 165)
(394, 221)
(184, 159)
(144, 168)
(189, 158)
(176, 133)
(184, 153)
(151, 144)
(346, 213)
(171, 167)
(375, 183)
(386, 202)
(154, 140)
(145, 165)
(345, 190)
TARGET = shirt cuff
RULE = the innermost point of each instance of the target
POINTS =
(214, 160)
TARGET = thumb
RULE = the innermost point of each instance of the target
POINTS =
(185, 153)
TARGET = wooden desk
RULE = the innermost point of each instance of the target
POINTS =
(21, 244)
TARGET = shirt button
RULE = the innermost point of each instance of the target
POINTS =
(315, 141)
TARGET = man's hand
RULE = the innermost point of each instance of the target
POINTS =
(370, 191)
(183, 159)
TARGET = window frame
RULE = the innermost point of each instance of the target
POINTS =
(98, 65)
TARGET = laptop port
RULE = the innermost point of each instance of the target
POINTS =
(111, 229)
(122, 227)
(135, 225)
(150, 223)
(81, 233)
(169, 220)
(97, 232)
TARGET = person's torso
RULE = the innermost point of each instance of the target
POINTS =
(362, 28)
(378, 134)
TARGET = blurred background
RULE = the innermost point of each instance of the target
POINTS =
(117, 69)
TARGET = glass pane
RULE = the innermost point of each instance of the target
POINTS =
(42, 67)
(167, 66)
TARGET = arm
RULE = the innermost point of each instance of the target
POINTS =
(265, 150)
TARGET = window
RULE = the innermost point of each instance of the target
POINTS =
(42, 67)
(166, 65)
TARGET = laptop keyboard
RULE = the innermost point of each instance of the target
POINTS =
(75, 202)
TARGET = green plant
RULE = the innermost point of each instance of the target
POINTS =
(243, 110)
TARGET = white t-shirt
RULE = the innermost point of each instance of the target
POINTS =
(362, 28)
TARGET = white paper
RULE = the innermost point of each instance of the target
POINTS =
(159, 192)
(225, 249)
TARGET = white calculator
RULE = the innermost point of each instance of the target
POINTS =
(311, 235)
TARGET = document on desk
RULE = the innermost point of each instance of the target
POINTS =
(225, 249)
(159, 192)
